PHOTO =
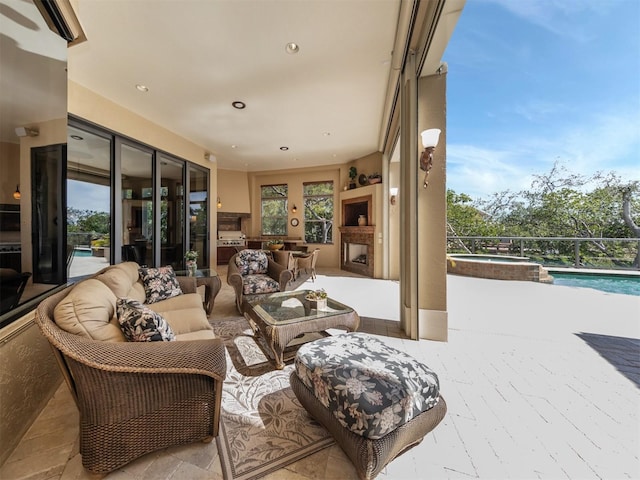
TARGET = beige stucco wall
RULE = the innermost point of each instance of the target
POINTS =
(29, 376)
(329, 253)
(233, 191)
(366, 165)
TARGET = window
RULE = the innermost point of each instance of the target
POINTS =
(318, 212)
(274, 209)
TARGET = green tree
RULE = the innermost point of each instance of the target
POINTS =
(563, 204)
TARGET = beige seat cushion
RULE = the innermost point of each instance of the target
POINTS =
(89, 311)
(184, 313)
(199, 335)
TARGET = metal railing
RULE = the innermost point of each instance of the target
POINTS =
(577, 252)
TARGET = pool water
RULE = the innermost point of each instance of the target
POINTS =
(81, 253)
(625, 284)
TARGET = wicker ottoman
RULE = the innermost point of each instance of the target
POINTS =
(376, 401)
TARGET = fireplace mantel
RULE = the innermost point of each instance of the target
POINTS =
(369, 229)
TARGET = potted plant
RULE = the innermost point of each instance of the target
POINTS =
(375, 178)
(275, 244)
(353, 173)
(192, 262)
(100, 247)
(317, 299)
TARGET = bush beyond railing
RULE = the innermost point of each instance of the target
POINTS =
(578, 252)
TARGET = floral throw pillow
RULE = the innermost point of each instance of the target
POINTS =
(251, 262)
(141, 324)
(159, 283)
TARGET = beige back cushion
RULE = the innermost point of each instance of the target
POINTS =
(89, 311)
(123, 280)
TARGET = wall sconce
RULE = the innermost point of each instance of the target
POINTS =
(219, 203)
(16, 194)
(393, 192)
(294, 209)
(27, 132)
(429, 141)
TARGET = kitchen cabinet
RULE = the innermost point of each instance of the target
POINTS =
(225, 254)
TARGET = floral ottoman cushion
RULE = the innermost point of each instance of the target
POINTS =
(370, 388)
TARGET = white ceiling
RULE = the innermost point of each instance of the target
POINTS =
(197, 57)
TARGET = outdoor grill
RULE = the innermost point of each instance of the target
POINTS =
(232, 238)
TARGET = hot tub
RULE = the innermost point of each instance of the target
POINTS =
(498, 267)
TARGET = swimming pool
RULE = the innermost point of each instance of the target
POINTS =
(613, 283)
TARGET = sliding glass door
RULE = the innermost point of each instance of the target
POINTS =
(198, 213)
(131, 202)
(88, 202)
(136, 176)
(172, 225)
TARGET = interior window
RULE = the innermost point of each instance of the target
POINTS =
(318, 212)
(274, 209)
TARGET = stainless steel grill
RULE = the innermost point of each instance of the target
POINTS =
(232, 238)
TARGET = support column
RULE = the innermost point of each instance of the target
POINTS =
(408, 207)
(432, 214)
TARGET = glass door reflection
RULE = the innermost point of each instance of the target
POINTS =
(172, 225)
(198, 218)
(136, 165)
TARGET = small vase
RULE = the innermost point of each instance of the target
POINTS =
(362, 221)
(193, 268)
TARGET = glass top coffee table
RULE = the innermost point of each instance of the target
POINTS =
(281, 317)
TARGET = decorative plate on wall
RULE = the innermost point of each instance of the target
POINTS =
(362, 179)
(294, 222)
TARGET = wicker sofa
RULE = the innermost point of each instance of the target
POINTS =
(134, 397)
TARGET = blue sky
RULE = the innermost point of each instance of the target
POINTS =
(535, 81)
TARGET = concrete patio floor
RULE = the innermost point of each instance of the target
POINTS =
(541, 381)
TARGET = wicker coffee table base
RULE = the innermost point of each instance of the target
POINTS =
(369, 456)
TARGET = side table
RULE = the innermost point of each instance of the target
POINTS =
(210, 280)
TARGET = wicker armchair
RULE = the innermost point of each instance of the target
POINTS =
(137, 397)
(253, 272)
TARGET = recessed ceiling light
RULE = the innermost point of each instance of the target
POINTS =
(292, 48)
(234, 146)
(77, 137)
(239, 105)
(284, 149)
(326, 134)
(142, 88)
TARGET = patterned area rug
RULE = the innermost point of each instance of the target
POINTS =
(263, 428)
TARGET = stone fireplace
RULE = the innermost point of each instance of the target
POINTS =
(356, 250)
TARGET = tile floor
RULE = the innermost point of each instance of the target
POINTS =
(541, 382)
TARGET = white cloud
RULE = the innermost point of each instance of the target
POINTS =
(480, 172)
(557, 17)
(607, 141)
